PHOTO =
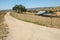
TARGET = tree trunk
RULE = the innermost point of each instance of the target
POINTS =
(17, 11)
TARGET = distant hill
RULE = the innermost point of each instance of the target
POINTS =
(44, 8)
(5, 10)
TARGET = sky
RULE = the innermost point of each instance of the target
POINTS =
(8, 4)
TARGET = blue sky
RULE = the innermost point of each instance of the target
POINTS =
(8, 4)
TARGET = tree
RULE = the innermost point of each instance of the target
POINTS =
(50, 11)
(19, 8)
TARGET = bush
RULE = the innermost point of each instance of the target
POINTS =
(34, 11)
(50, 11)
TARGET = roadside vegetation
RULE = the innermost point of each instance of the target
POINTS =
(3, 27)
(53, 22)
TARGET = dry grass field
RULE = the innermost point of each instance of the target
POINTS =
(3, 27)
(53, 22)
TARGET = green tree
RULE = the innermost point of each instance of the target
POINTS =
(51, 11)
(19, 8)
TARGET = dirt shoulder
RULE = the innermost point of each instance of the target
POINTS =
(3, 27)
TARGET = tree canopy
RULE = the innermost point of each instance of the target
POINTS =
(19, 8)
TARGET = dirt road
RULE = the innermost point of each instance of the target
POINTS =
(20, 30)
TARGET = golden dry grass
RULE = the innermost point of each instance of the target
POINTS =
(3, 27)
(57, 13)
(41, 20)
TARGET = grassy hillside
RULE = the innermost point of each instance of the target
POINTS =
(54, 9)
(53, 22)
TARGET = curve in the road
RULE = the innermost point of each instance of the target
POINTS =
(20, 30)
